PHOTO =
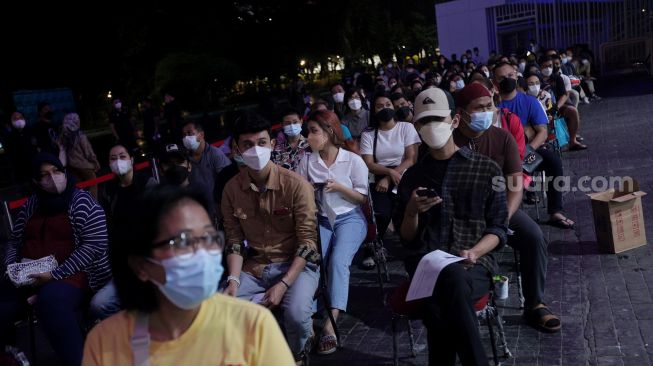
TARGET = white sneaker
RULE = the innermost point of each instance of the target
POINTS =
(586, 101)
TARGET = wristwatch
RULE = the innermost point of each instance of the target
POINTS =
(235, 279)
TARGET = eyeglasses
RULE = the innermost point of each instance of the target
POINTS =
(184, 243)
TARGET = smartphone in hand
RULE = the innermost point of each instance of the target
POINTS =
(430, 193)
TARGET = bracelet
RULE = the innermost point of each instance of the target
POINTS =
(284, 282)
(235, 279)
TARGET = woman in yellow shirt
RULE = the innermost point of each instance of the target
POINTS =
(167, 280)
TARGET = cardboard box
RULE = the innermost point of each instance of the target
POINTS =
(619, 218)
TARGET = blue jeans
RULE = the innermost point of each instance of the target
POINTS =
(105, 302)
(297, 303)
(57, 308)
(339, 245)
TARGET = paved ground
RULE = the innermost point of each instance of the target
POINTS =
(604, 300)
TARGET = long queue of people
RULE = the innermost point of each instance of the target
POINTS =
(256, 218)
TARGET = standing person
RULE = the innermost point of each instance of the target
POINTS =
(45, 132)
(466, 218)
(167, 281)
(150, 116)
(19, 147)
(207, 161)
(173, 118)
(342, 176)
(68, 223)
(270, 219)
(82, 161)
(122, 126)
(290, 145)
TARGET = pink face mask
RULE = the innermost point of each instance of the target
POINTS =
(54, 183)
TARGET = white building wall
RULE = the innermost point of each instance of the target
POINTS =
(462, 25)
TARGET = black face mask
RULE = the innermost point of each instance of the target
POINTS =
(385, 114)
(48, 115)
(176, 175)
(556, 69)
(507, 85)
(403, 113)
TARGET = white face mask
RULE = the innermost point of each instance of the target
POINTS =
(339, 97)
(19, 124)
(487, 74)
(460, 84)
(564, 60)
(355, 104)
(436, 134)
(522, 66)
(585, 61)
(121, 167)
(54, 183)
(547, 71)
(118, 105)
(534, 90)
(257, 157)
(191, 143)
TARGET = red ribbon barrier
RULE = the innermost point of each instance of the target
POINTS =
(107, 177)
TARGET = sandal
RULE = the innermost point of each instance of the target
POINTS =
(328, 344)
(563, 223)
(577, 147)
(542, 318)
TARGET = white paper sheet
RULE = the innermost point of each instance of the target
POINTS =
(427, 273)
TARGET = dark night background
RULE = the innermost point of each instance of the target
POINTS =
(143, 48)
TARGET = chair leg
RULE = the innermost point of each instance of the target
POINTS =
(502, 335)
(395, 355)
(379, 262)
(31, 320)
(411, 339)
(488, 319)
(383, 259)
(544, 193)
(520, 289)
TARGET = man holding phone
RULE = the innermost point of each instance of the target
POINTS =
(457, 211)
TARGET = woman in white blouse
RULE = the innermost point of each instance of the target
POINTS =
(388, 148)
(340, 178)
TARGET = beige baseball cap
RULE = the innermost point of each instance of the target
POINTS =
(431, 102)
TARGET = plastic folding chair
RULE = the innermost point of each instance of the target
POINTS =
(485, 309)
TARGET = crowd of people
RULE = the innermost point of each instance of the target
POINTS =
(171, 262)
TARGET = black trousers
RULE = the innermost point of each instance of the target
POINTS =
(552, 166)
(384, 204)
(529, 240)
(450, 318)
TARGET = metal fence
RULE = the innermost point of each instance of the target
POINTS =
(564, 23)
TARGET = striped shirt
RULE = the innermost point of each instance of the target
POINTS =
(90, 239)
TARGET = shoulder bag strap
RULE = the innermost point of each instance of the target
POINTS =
(140, 340)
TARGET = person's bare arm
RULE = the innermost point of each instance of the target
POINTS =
(515, 192)
(487, 243)
(541, 135)
(376, 168)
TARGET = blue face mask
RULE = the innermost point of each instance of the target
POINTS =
(480, 121)
(292, 129)
(191, 278)
(239, 160)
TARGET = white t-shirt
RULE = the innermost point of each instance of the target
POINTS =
(349, 170)
(567, 81)
(391, 144)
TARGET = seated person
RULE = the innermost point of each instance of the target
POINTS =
(357, 114)
(465, 217)
(290, 145)
(273, 209)
(342, 176)
(167, 280)
(477, 112)
(68, 223)
(403, 107)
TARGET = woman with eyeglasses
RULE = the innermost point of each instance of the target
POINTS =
(167, 283)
